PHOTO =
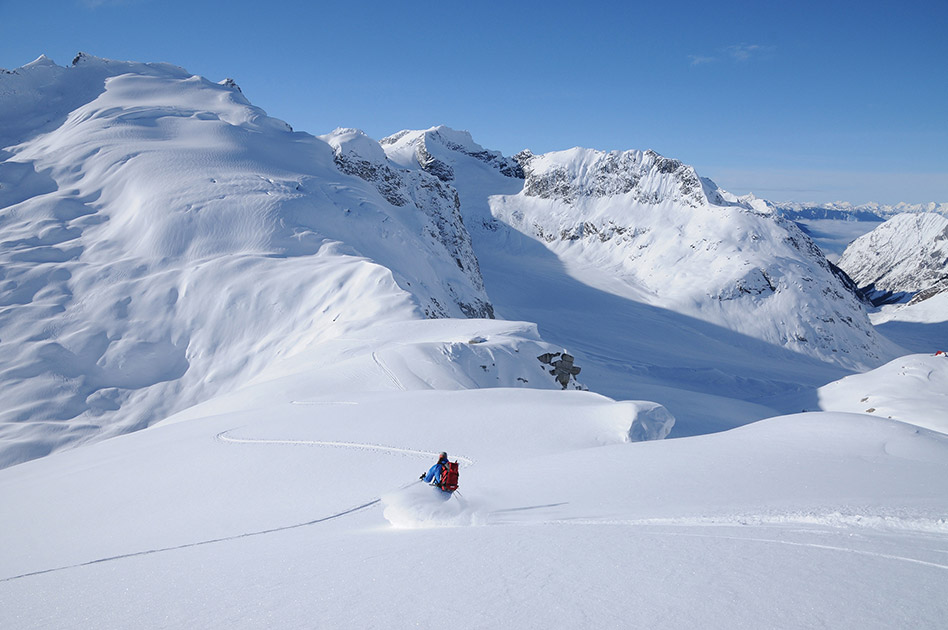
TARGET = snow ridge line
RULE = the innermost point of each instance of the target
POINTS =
(196, 544)
(223, 437)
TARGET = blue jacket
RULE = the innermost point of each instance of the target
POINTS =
(434, 473)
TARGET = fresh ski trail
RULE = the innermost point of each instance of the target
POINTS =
(362, 446)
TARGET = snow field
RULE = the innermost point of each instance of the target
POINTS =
(912, 389)
(244, 518)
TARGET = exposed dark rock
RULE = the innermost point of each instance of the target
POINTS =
(230, 83)
(562, 364)
(431, 165)
(442, 208)
(387, 180)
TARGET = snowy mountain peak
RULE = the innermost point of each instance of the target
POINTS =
(39, 62)
(230, 83)
(355, 144)
(436, 151)
(845, 211)
(645, 176)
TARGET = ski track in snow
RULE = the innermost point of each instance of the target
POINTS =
(936, 527)
(628, 523)
(386, 370)
(222, 436)
(136, 554)
(332, 444)
(791, 543)
(323, 402)
(834, 520)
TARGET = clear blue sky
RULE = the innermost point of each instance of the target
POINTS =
(804, 101)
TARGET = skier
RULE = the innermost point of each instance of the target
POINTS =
(433, 476)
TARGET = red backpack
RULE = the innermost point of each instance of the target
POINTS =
(449, 476)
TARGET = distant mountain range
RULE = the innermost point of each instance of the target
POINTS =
(842, 211)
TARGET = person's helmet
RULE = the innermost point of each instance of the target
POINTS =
(443, 455)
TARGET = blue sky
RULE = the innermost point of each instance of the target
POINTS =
(803, 101)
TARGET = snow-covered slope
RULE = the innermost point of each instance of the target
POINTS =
(659, 234)
(918, 326)
(904, 257)
(912, 389)
(303, 323)
(163, 240)
(296, 511)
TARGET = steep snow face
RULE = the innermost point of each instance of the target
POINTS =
(673, 240)
(164, 240)
(905, 256)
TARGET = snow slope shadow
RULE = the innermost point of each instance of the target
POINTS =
(917, 336)
(710, 378)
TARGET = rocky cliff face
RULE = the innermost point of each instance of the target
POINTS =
(904, 258)
(357, 154)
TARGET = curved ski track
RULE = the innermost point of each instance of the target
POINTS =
(362, 446)
(223, 437)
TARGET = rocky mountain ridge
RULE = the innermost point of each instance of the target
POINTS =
(905, 258)
(674, 239)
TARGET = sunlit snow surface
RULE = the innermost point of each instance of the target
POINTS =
(308, 513)
(283, 490)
